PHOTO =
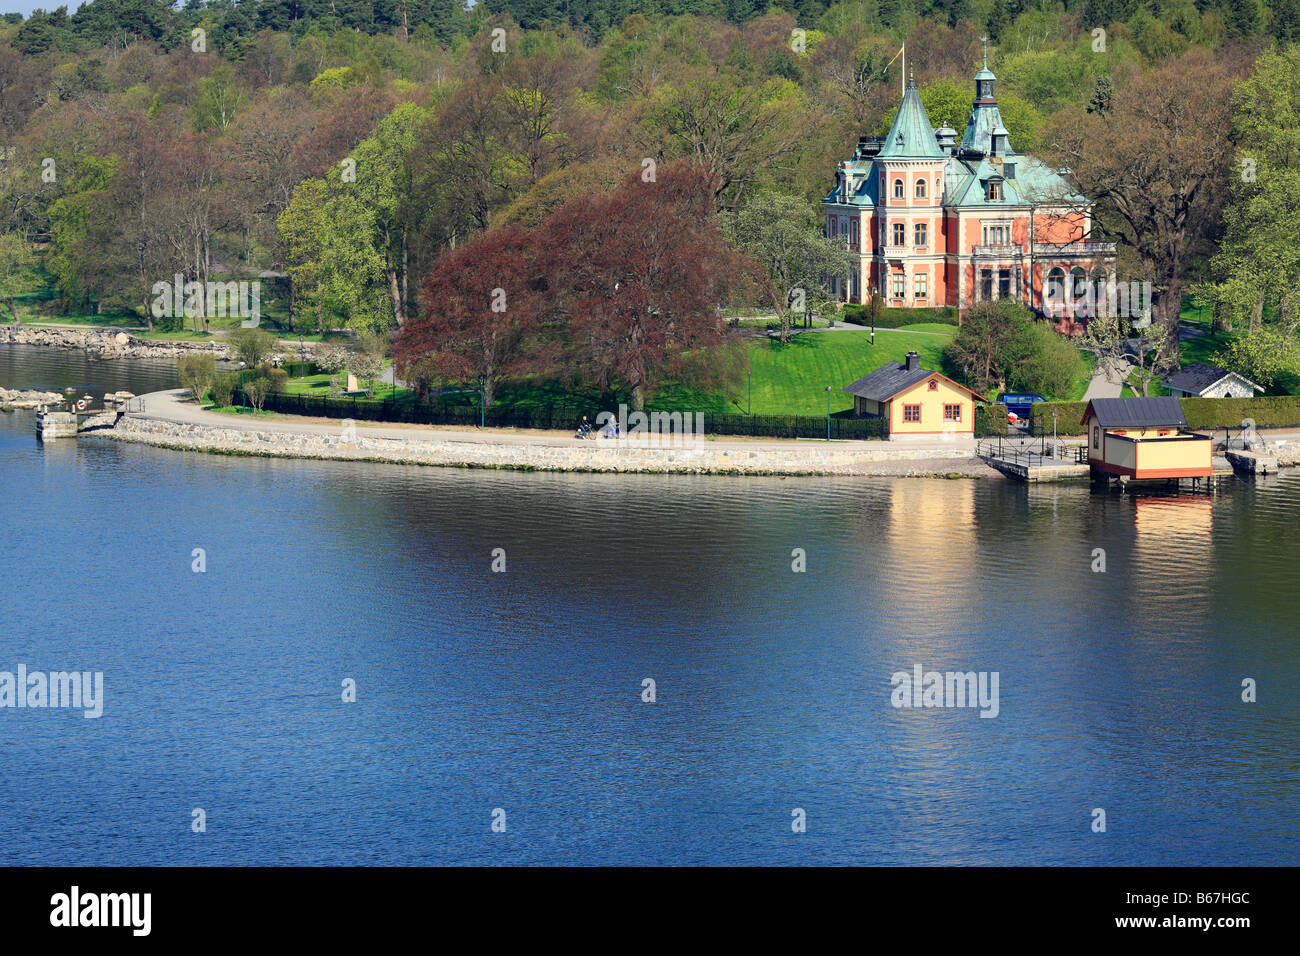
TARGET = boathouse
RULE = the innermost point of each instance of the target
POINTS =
(914, 402)
(1144, 438)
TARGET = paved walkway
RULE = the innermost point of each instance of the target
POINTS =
(1108, 380)
(173, 406)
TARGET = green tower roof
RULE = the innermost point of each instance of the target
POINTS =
(911, 136)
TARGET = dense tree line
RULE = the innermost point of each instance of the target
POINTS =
(340, 149)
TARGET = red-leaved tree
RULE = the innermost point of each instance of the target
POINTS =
(483, 315)
(639, 275)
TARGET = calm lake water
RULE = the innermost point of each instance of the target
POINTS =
(522, 690)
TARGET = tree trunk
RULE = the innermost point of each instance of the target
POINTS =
(638, 397)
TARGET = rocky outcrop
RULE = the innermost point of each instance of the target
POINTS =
(28, 399)
(106, 343)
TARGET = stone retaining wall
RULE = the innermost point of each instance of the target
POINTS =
(106, 343)
(856, 458)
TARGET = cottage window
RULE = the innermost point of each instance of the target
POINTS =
(898, 189)
(952, 413)
(911, 413)
(1096, 437)
(995, 192)
(934, 386)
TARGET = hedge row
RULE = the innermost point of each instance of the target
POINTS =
(1279, 411)
(896, 318)
(990, 420)
(562, 418)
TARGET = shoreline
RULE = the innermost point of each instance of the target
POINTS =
(519, 457)
(171, 422)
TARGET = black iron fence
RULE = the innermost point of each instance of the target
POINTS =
(560, 417)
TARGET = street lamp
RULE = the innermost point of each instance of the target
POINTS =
(482, 406)
(828, 413)
(750, 372)
(241, 387)
(1053, 432)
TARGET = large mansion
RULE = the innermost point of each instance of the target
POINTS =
(939, 222)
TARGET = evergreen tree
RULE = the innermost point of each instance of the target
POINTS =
(1101, 96)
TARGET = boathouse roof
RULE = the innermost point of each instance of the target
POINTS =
(1156, 412)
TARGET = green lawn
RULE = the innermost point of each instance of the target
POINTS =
(318, 386)
(788, 379)
(791, 379)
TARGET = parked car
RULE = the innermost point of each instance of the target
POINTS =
(1020, 404)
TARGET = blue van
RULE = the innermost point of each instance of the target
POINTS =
(1020, 403)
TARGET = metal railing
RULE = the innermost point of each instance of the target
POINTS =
(1032, 453)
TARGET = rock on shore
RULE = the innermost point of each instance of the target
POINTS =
(106, 343)
(28, 399)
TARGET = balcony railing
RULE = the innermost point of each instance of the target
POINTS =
(1006, 251)
(1085, 249)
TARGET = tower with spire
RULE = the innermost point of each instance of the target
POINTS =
(941, 222)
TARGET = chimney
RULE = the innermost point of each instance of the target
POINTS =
(913, 361)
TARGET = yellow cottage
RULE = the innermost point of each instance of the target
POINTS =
(915, 402)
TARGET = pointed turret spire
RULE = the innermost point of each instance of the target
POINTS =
(911, 135)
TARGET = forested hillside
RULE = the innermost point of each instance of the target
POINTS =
(337, 148)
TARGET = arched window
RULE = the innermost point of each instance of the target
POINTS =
(920, 189)
(1078, 284)
(1055, 295)
(898, 189)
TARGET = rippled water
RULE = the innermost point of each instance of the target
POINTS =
(521, 691)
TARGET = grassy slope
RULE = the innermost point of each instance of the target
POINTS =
(791, 379)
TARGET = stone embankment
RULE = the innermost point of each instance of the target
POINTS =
(28, 399)
(106, 343)
(700, 458)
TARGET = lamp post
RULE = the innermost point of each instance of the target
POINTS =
(750, 372)
(828, 413)
(1053, 432)
(482, 406)
(241, 387)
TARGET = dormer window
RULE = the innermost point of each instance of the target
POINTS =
(920, 189)
(898, 189)
(995, 190)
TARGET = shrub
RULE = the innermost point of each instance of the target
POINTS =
(252, 346)
(276, 378)
(1050, 365)
(256, 392)
(223, 389)
(196, 373)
